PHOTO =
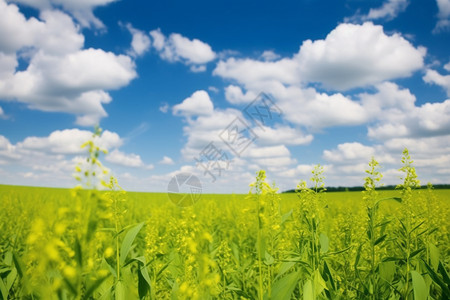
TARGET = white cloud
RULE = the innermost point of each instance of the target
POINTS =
(281, 135)
(234, 95)
(264, 152)
(389, 10)
(206, 129)
(213, 89)
(269, 55)
(345, 59)
(124, 159)
(55, 32)
(69, 141)
(433, 77)
(164, 107)
(166, 161)
(159, 39)
(358, 55)
(354, 152)
(140, 42)
(60, 76)
(177, 48)
(197, 104)
(80, 10)
(316, 110)
(429, 119)
(250, 72)
(447, 66)
(2, 114)
(443, 23)
(430, 155)
(50, 160)
(70, 83)
(389, 100)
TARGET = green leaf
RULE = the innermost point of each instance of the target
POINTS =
(286, 217)
(327, 275)
(268, 259)
(94, 286)
(111, 269)
(261, 247)
(444, 274)
(380, 239)
(324, 243)
(358, 255)
(143, 287)
(438, 280)
(319, 283)
(386, 270)
(119, 291)
(11, 278)
(284, 267)
(282, 289)
(308, 293)
(3, 290)
(399, 200)
(419, 286)
(144, 282)
(128, 241)
(18, 264)
(434, 256)
(416, 252)
(78, 253)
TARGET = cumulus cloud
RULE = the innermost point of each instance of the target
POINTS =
(128, 160)
(61, 76)
(235, 95)
(140, 42)
(345, 59)
(50, 160)
(389, 10)
(316, 111)
(82, 11)
(389, 100)
(392, 112)
(197, 104)
(166, 161)
(358, 55)
(68, 141)
(164, 107)
(269, 55)
(429, 119)
(433, 77)
(281, 134)
(430, 154)
(251, 72)
(54, 33)
(443, 23)
(177, 48)
(2, 114)
(349, 152)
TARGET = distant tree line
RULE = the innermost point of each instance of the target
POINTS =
(361, 188)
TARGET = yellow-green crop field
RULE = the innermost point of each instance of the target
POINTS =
(78, 244)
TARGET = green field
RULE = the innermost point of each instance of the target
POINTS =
(78, 244)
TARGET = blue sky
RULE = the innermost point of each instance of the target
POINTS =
(345, 81)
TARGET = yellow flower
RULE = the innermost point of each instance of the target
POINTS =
(109, 252)
(69, 272)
